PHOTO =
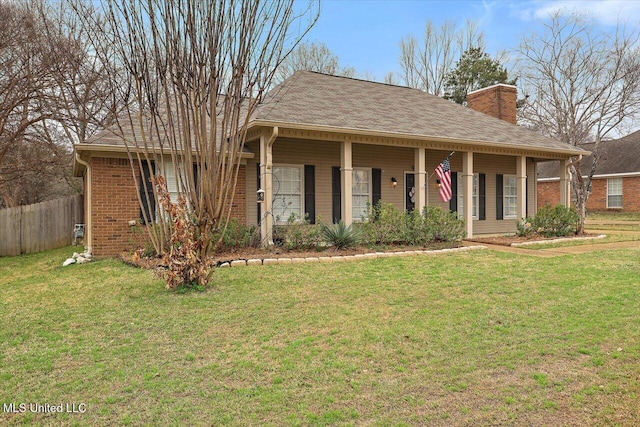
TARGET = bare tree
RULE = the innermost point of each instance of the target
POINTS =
(425, 63)
(314, 56)
(35, 155)
(198, 71)
(581, 85)
(84, 90)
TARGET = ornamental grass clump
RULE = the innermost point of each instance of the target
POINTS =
(340, 236)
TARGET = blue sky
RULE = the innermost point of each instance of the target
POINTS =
(366, 34)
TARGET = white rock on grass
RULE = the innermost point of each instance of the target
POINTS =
(77, 258)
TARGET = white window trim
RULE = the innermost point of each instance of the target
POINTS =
(609, 194)
(283, 221)
(460, 190)
(370, 173)
(504, 197)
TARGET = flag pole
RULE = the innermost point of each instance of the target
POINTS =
(433, 173)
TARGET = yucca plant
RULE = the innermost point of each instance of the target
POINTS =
(340, 235)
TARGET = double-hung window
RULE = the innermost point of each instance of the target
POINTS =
(510, 196)
(474, 198)
(360, 193)
(614, 193)
(287, 193)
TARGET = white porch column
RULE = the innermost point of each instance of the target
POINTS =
(521, 183)
(266, 183)
(346, 180)
(420, 179)
(467, 179)
(565, 192)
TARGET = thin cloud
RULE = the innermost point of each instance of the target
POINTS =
(608, 12)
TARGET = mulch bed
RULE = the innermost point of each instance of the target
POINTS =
(137, 260)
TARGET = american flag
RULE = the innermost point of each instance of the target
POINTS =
(444, 174)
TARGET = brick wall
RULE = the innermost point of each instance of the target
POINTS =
(631, 194)
(498, 101)
(239, 205)
(115, 203)
(549, 192)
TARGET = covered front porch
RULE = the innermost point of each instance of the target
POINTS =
(332, 176)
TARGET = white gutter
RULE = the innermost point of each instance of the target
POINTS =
(399, 135)
(110, 148)
(87, 197)
(597, 176)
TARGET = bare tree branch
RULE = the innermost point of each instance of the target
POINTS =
(581, 85)
(198, 70)
(426, 63)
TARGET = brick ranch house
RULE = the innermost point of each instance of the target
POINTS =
(616, 182)
(325, 146)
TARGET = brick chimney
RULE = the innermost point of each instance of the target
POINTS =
(498, 101)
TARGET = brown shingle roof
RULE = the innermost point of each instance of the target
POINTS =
(352, 105)
(618, 156)
(309, 98)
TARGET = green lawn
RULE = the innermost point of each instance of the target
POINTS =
(476, 338)
(614, 216)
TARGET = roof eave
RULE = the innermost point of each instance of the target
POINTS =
(87, 148)
(570, 151)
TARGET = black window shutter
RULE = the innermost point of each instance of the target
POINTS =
(376, 181)
(196, 175)
(258, 187)
(499, 197)
(148, 209)
(310, 193)
(336, 194)
(453, 203)
(482, 193)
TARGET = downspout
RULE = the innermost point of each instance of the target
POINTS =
(571, 163)
(87, 214)
(272, 138)
(567, 172)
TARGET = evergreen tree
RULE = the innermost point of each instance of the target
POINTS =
(474, 70)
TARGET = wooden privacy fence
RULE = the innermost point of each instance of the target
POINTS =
(39, 227)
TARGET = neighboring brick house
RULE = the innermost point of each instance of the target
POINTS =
(616, 182)
(325, 146)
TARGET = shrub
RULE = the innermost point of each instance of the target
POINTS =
(384, 226)
(186, 266)
(415, 230)
(387, 225)
(297, 234)
(445, 226)
(550, 221)
(237, 235)
(340, 235)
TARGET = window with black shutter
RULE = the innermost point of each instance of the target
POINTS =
(310, 193)
(148, 208)
(336, 194)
